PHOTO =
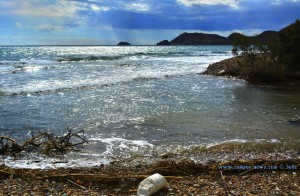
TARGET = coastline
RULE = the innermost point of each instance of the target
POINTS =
(232, 67)
(225, 67)
(185, 176)
(260, 176)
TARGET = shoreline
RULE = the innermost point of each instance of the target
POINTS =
(259, 176)
(235, 175)
(231, 67)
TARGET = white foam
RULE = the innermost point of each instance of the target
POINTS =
(80, 159)
(70, 160)
(31, 68)
(121, 141)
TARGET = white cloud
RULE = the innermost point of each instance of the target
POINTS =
(96, 8)
(48, 9)
(230, 3)
(40, 27)
(142, 7)
(280, 2)
(46, 27)
(57, 9)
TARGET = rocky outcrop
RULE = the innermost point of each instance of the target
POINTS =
(163, 43)
(223, 68)
(123, 44)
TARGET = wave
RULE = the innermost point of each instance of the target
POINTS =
(88, 58)
(103, 150)
(27, 68)
(221, 52)
(239, 145)
(73, 88)
(92, 58)
(96, 81)
(12, 63)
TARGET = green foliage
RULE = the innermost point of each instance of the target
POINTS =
(270, 71)
(256, 61)
(251, 49)
(272, 61)
(286, 48)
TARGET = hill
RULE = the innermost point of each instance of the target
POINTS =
(214, 39)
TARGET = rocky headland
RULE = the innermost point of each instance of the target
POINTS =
(271, 57)
(214, 39)
(237, 67)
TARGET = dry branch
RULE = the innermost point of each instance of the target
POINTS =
(6, 172)
(31, 140)
(44, 143)
(226, 184)
(103, 177)
(7, 138)
(77, 185)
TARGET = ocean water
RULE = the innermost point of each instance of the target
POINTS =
(136, 103)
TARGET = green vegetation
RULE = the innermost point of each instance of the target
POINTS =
(286, 47)
(272, 61)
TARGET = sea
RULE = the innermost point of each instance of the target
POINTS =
(141, 104)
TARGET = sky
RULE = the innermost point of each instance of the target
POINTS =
(139, 22)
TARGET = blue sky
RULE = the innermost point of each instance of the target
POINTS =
(107, 22)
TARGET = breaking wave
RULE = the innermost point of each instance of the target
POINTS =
(88, 58)
(103, 150)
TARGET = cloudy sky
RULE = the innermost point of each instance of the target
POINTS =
(106, 22)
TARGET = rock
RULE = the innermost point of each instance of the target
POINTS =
(294, 122)
(123, 44)
(221, 73)
(163, 43)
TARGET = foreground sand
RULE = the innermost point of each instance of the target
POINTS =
(184, 177)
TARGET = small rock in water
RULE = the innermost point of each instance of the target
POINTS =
(294, 122)
(222, 72)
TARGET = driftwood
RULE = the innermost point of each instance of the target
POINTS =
(7, 138)
(77, 185)
(103, 177)
(45, 143)
(6, 172)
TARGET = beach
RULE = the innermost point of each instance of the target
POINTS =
(145, 110)
(256, 177)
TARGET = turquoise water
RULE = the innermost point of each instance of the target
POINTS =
(142, 101)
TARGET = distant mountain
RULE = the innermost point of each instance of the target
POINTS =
(199, 39)
(267, 36)
(213, 39)
(123, 44)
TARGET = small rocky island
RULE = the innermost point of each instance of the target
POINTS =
(123, 44)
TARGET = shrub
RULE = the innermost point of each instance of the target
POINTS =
(256, 60)
(286, 48)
